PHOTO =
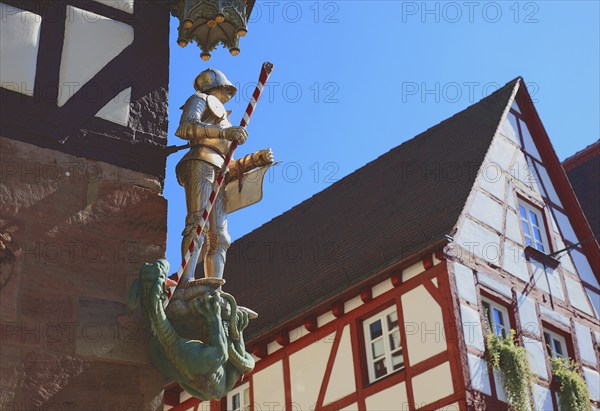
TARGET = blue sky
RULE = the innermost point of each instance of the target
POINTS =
(353, 79)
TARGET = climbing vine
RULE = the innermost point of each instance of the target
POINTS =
(573, 393)
(513, 364)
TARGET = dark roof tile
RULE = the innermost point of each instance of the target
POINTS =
(583, 170)
(384, 212)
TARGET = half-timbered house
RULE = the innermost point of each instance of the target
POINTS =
(378, 293)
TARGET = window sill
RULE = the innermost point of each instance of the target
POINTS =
(535, 254)
(393, 374)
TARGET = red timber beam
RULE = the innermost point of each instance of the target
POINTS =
(333, 332)
(441, 293)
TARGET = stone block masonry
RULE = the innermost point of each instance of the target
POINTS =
(75, 233)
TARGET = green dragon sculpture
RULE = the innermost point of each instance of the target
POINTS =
(204, 349)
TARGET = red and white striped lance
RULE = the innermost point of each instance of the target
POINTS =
(262, 79)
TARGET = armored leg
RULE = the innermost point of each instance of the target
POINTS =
(218, 239)
(197, 178)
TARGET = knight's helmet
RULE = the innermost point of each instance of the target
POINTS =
(212, 78)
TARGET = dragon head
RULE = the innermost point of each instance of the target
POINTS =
(151, 282)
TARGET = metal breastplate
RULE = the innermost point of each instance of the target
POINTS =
(210, 150)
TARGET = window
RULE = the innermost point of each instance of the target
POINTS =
(383, 345)
(533, 227)
(555, 344)
(239, 398)
(496, 318)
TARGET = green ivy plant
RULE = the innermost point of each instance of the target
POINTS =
(511, 360)
(573, 394)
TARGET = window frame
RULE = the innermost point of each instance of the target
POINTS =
(381, 315)
(500, 308)
(550, 351)
(542, 226)
(239, 390)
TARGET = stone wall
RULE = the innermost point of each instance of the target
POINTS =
(74, 234)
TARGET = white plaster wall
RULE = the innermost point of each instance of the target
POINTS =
(341, 382)
(307, 368)
(511, 198)
(549, 281)
(513, 227)
(381, 288)
(515, 262)
(537, 359)
(565, 259)
(123, 5)
(577, 296)
(528, 315)
(494, 183)
(508, 131)
(297, 333)
(269, 391)
(19, 43)
(480, 241)
(412, 271)
(585, 344)
(526, 174)
(535, 179)
(548, 185)
(272, 347)
(583, 268)
(480, 376)
(487, 211)
(499, 384)
(495, 285)
(117, 110)
(450, 407)
(542, 398)
(390, 399)
(465, 282)
(471, 325)
(592, 379)
(565, 226)
(91, 42)
(548, 313)
(530, 146)
(433, 385)
(501, 152)
(352, 304)
(325, 318)
(595, 300)
(424, 325)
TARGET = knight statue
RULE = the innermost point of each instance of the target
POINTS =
(205, 123)
(197, 338)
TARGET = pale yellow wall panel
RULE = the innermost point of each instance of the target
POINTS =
(450, 407)
(424, 325)
(307, 369)
(433, 385)
(390, 399)
(269, 391)
(342, 382)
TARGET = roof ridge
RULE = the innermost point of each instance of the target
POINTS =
(582, 156)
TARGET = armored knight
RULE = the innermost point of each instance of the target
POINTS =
(205, 123)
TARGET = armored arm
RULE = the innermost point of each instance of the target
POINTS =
(249, 162)
(192, 128)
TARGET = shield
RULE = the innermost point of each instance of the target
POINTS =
(251, 193)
